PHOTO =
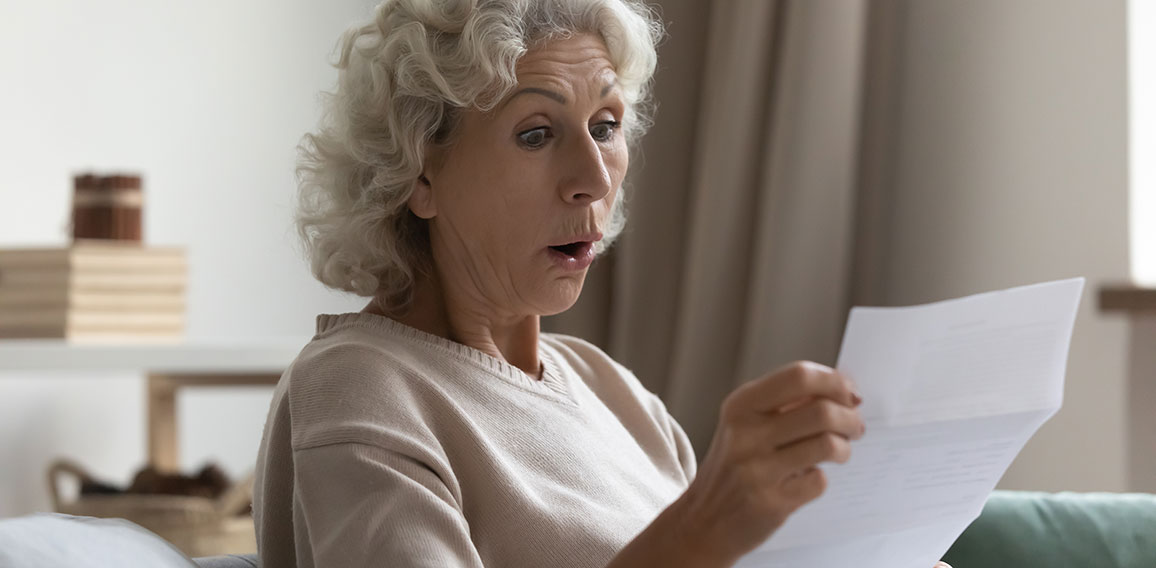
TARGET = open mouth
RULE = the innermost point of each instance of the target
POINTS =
(574, 256)
(572, 249)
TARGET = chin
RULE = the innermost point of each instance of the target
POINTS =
(561, 298)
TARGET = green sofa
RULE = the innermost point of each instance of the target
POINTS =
(1060, 530)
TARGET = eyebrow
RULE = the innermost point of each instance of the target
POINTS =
(606, 89)
(535, 90)
(557, 97)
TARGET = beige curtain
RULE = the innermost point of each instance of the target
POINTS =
(745, 212)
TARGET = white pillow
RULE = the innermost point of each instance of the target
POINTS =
(54, 540)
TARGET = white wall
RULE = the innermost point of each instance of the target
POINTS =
(207, 100)
(1142, 138)
(1011, 168)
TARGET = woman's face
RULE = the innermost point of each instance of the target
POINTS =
(538, 171)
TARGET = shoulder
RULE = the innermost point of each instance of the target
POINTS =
(349, 349)
(352, 358)
(352, 385)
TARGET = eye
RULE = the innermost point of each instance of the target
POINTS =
(604, 131)
(534, 138)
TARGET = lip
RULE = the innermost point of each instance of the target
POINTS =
(585, 237)
(579, 261)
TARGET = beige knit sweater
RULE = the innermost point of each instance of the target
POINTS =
(388, 446)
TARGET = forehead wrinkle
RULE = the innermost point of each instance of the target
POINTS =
(604, 76)
(588, 50)
(556, 97)
(557, 64)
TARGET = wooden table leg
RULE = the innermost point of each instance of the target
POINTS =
(1141, 398)
(162, 423)
(163, 448)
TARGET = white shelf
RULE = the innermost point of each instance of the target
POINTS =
(270, 355)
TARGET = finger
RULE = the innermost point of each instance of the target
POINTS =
(942, 565)
(818, 416)
(804, 486)
(799, 380)
(807, 453)
(850, 385)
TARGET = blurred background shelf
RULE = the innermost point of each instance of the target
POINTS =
(167, 367)
(216, 356)
(1128, 298)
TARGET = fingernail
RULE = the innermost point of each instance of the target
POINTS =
(855, 398)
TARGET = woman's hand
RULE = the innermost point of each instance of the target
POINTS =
(761, 465)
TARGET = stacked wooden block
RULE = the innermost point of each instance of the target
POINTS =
(95, 290)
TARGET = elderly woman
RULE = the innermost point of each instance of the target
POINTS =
(468, 172)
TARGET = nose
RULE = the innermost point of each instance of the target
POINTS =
(586, 178)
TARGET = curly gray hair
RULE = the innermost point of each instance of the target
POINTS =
(402, 82)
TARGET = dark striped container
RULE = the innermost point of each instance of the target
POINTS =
(107, 207)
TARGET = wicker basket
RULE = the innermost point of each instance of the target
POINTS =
(199, 526)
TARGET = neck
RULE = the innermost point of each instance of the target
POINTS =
(513, 339)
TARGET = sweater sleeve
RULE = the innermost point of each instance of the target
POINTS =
(366, 506)
(686, 455)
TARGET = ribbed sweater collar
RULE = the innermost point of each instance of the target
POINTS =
(553, 381)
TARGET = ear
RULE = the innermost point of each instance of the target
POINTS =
(421, 201)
